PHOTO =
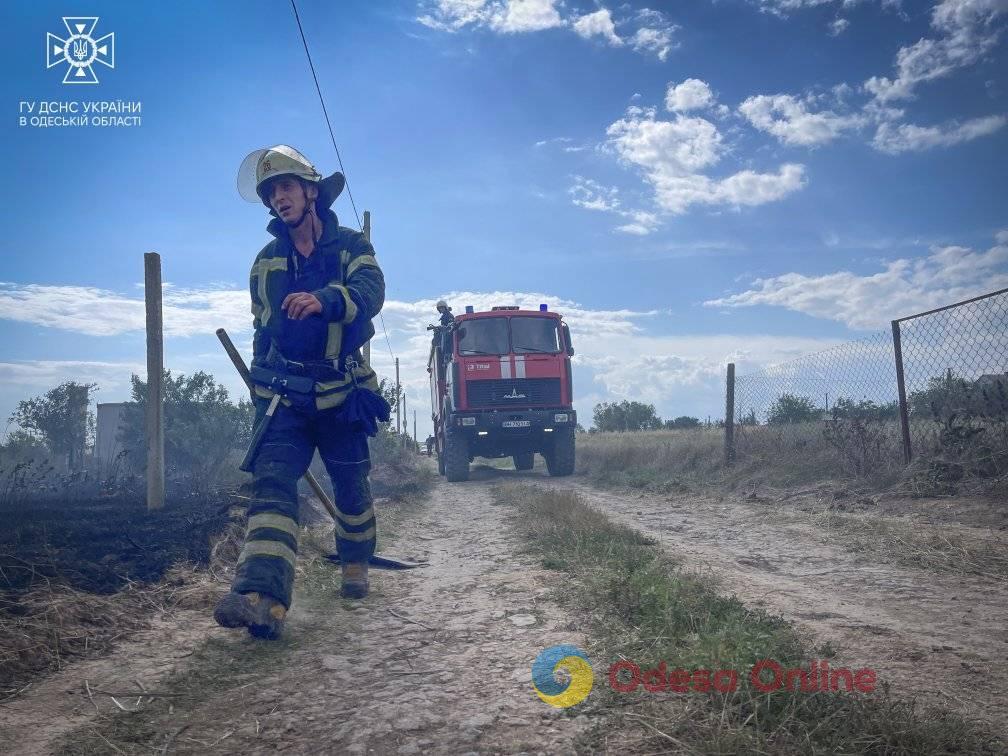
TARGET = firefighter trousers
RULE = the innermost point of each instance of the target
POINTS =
(266, 563)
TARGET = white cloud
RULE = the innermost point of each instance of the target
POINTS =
(599, 23)
(947, 274)
(655, 40)
(968, 31)
(452, 15)
(789, 119)
(838, 26)
(99, 312)
(692, 94)
(517, 16)
(905, 137)
(786, 7)
(505, 16)
(646, 31)
(591, 195)
(49, 373)
(673, 154)
(554, 140)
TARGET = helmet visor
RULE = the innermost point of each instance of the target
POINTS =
(247, 174)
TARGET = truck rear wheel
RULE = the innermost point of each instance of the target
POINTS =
(456, 457)
(560, 457)
(524, 461)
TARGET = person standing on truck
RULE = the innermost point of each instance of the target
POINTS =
(447, 319)
(315, 288)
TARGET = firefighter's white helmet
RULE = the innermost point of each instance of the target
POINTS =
(283, 160)
(441, 305)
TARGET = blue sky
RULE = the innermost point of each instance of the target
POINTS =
(691, 184)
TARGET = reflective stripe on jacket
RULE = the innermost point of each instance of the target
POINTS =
(353, 296)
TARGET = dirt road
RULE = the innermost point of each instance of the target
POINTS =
(437, 659)
(940, 637)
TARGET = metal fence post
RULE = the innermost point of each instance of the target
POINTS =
(901, 386)
(729, 422)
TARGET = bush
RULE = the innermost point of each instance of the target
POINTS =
(789, 409)
(625, 416)
(202, 427)
(861, 433)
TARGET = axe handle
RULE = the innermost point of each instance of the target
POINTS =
(236, 358)
(239, 364)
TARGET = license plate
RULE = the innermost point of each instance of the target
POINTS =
(517, 423)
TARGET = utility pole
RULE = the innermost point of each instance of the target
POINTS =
(405, 422)
(155, 389)
(367, 235)
(398, 427)
(414, 431)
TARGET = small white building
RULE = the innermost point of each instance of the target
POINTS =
(108, 425)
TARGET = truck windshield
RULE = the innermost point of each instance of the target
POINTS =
(483, 336)
(534, 335)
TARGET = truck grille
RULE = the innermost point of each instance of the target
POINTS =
(500, 393)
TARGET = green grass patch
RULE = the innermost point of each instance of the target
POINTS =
(646, 607)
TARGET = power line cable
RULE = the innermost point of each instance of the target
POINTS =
(335, 147)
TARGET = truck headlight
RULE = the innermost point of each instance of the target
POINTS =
(561, 417)
(468, 421)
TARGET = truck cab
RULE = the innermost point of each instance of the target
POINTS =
(501, 387)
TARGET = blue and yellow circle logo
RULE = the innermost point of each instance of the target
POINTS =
(550, 661)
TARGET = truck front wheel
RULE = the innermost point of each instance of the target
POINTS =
(524, 461)
(560, 455)
(456, 457)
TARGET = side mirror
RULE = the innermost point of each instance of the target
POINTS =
(567, 339)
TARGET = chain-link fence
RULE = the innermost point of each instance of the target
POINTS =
(936, 385)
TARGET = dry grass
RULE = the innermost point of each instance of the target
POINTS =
(898, 540)
(680, 460)
(645, 607)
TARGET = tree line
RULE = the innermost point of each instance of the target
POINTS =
(636, 416)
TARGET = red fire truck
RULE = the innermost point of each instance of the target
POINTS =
(501, 387)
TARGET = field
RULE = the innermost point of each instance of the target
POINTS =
(654, 552)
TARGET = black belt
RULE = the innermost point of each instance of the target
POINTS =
(320, 370)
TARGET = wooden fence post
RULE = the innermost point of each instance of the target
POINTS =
(729, 422)
(155, 387)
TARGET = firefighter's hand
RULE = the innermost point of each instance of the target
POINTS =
(300, 305)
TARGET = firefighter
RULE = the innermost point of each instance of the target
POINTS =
(315, 288)
(447, 319)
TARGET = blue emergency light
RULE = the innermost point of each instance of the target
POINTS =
(469, 309)
(542, 308)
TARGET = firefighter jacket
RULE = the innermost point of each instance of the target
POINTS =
(353, 295)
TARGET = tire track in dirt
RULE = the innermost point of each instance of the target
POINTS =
(436, 659)
(940, 637)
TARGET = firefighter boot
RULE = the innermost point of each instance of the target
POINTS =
(355, 580)
(261, 614)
